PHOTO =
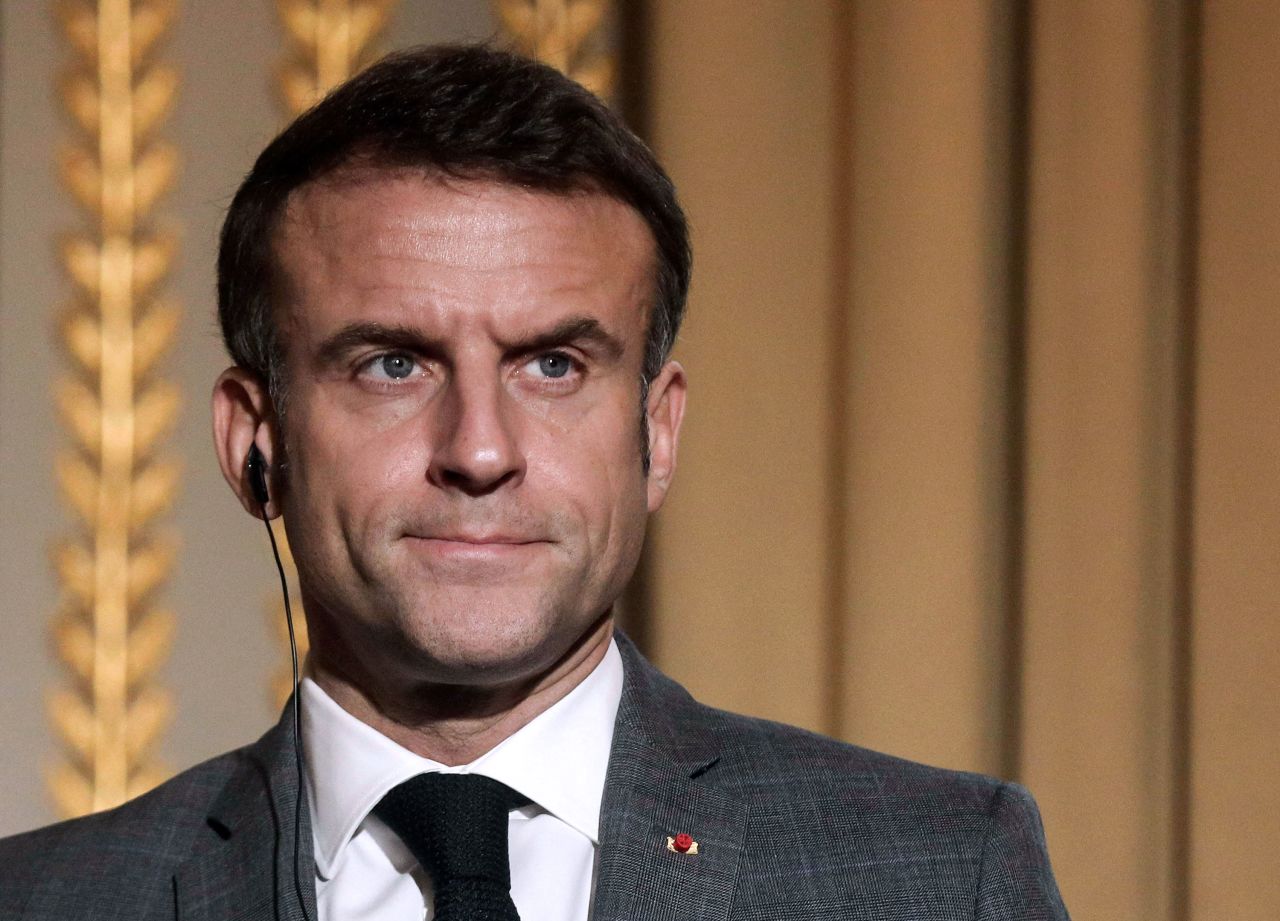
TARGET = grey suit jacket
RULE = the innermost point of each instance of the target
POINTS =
(789, 825)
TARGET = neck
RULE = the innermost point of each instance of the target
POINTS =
(456, 724)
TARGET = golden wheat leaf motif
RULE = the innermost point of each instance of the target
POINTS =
(81, 99)
(148, 567)
(598, 76)
(151, 259)
(581, 18)
(327, 41)
(552, 27)
(298, 88)
(564, 34)
(153, 336)
(73, 641)
(149, 643)
(148, 716)
(74, 722)
(116, 409)
(332, 27)
(155, 411)
(79, 483)
(153, 100)
(72, 792)
(74, 565)
(153, 491)
(367, 20)
(149, 24)
(79, 171)
(518, 16)
(80, 27)
(83, 261)
(145, 778)
(82, 336)
(154, 174)
(80, 411)
(299, 18)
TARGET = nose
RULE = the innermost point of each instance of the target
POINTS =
(477, 450)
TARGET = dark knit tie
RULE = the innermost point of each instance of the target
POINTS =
(456, 825)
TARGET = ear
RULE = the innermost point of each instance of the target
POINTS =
(243, 415)
(665, 411)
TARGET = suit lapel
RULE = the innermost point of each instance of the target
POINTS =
(660, 783)
(243, 869)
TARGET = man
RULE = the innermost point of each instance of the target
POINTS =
(451, 292)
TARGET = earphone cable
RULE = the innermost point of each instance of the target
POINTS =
(297, 720)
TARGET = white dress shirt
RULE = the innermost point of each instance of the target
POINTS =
(558, 760)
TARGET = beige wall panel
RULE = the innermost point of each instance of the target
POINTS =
(1236, 647)
(740, 115)
(1097, 681)
(926, 409)
(31, 211)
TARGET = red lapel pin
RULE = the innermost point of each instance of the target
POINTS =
(682, 844)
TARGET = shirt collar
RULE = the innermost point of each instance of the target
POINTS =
(558, 760)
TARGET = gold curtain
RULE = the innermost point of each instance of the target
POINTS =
(979, 464)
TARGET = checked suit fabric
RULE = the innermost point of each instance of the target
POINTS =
(789, 825)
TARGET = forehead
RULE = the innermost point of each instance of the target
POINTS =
(447, 238)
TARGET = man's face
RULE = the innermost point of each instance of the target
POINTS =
(464, 493)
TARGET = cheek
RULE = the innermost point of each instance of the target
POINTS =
(346, 461)
(593, 464)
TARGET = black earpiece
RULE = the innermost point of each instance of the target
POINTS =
(255, 466)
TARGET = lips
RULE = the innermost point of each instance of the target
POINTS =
(475, 547)
(479, 539)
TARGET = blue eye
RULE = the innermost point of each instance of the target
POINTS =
(396, 365)
(554, 364)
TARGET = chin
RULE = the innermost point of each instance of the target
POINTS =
(486, 645)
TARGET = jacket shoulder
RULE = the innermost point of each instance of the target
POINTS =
(850, 820)
(761, 754)
(124, 856)
(766, 763)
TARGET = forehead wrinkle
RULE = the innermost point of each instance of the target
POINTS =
(481, 238)
(452, 234)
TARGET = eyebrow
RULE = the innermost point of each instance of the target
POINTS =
(576, 329)
(355, 335)
(571, 330)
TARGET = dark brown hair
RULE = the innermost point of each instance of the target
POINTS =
(468, 112)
